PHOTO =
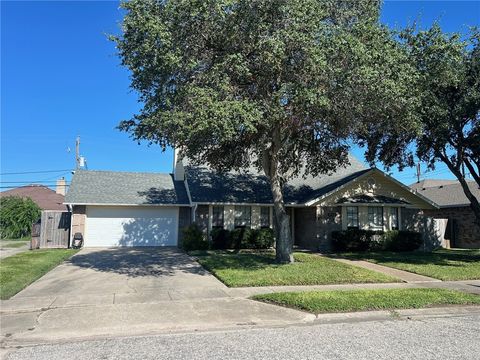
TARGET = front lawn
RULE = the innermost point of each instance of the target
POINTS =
(13, 243)
(440, 264)
(364, 300)
(19, 271)
(260, 269)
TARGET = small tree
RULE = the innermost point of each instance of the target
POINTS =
(449, 113)
(283, 85)
(17, 216)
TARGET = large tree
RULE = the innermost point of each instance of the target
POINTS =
(284, 85)
(448, 82)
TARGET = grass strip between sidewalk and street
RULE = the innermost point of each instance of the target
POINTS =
(366, 300)
(260, 269)
(446, 265)
(20, 270)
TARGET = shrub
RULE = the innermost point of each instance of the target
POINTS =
(194, 238)
(17, 216)
(355, 240)
(241, 238)
(262, 238)
(221, 239)
(402, 240)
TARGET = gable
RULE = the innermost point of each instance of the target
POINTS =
(376, 185)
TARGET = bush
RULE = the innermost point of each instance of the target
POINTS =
(242, 238)
(17, 216)
(263, 239)
(194, 238)
(368, 240)
(221, 239)
(355, 240)
(400, 240)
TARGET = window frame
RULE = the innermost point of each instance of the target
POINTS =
(215, 224)
(264, 224)
(243, 217)
(372, 217)
(351, 220)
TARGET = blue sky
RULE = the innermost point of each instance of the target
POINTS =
(60, 78)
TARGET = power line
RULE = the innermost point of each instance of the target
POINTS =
(35, 172)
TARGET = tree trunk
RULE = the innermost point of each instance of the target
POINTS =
(284, 245)
(474, 204)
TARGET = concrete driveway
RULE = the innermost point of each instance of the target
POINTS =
(129, 291)
(116, 275)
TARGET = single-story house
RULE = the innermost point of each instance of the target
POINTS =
(462, 230)
(150, 209)
(43, 196)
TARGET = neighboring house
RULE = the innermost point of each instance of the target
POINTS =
(44, 197)
(462, 229)
(149, 209)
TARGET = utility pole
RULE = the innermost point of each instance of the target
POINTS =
(77, 152)
(418, 172)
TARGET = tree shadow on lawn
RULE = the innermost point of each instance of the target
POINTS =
(416, 258)
(222, 261)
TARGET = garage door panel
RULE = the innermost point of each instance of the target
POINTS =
(130, 226)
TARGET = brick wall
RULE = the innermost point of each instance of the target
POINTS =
(463, 229)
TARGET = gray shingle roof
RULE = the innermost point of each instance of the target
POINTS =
(448, 195)
(126, 188)
(209, 186)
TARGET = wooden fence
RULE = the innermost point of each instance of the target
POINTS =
(55, 229)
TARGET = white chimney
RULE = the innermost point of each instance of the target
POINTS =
(178, 169)
(61, 187)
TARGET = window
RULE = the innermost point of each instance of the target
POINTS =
(264, 217)
(243, 216)
(394, 218)
(217, 217)
(375, 217)
(352, 216)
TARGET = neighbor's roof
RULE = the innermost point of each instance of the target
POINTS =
(450, 194)
(427, 183)
(125, 188)
(250, 187)
(44, 197)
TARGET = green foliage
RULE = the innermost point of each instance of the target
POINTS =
(363, 300)
(280, 85)
(242, 238)
(401, 240)
(353, 240)
(194, 238)
(17, 216)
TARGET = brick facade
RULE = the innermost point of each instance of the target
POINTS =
(462, 231)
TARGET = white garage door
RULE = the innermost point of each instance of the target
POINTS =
(131, 226)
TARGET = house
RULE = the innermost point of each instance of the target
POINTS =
(150, 209)
(43, 196)
(462, 229)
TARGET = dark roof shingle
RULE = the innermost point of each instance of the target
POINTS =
(125, 188)
(448, 194)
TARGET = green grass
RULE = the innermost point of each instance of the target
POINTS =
(19, 271)
(14, 243)
(260, 269)
(364, 300)
(440, 264)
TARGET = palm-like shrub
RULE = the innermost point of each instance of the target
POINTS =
(17, 216)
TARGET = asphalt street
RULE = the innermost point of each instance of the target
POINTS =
(452, 337)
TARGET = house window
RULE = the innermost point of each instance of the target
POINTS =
(264, 217)
(352, 217)
(217, 217)
(394, 218)
(243, 216)
(375, 217)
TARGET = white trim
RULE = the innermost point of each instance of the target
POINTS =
(103, 204)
